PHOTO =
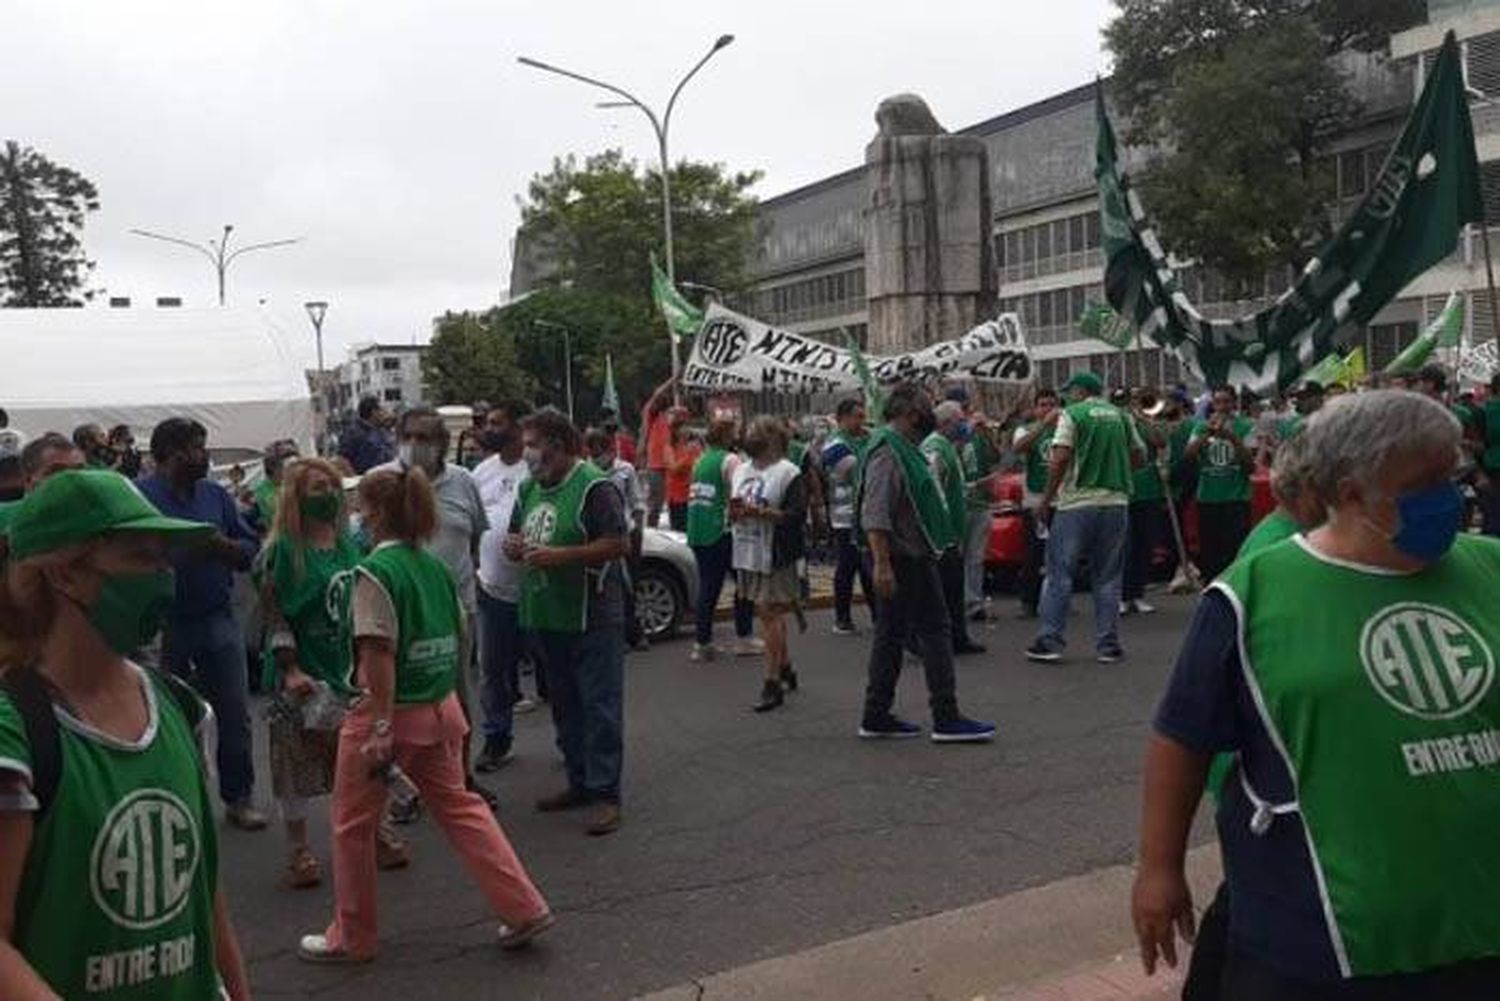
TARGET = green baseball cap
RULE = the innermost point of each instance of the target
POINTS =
(1084, 380)
(81, 504)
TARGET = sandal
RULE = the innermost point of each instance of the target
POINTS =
(303, 871)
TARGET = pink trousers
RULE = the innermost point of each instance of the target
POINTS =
(429, 748)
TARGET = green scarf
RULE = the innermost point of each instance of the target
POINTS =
(952, 485)
(932, 512)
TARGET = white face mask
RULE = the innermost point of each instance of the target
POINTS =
(413, 455)
(532, 456)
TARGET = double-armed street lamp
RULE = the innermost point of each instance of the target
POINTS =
(661, 125)
(217, 251)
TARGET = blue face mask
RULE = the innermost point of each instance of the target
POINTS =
(1430, 520)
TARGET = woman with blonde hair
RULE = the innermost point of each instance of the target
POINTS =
(105, 817)
(406, 625)
(305, 579)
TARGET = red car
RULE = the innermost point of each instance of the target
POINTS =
(1007, 548)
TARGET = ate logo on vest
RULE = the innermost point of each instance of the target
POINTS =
(539, 525)
(144, 859)
(1426, 661)
(1219, 452)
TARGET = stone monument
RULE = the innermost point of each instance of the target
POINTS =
(929, 261)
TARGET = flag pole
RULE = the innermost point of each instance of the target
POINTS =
(1489, 273)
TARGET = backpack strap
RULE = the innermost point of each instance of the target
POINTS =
(28, 692)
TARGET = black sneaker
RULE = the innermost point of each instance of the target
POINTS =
(788, 678)
(494, 757)
(1111, 654)
(889, 728)
(1044, 652)
(962, 730)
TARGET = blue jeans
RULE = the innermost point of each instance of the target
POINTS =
(499, 665)
(586, 687)
(209, 653)
(714, 564)
(852, 562)
(1096, 534)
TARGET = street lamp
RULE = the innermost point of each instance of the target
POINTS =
(315, 312)
(567, 358)
(217, 251)
(661, 126)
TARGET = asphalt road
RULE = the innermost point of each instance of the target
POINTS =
(751, 836)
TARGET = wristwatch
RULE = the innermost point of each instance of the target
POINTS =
(381, 728)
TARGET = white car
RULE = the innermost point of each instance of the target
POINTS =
(666, 583)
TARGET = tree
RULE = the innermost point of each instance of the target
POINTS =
(470, 359)
(1239, 99)
(42, 209)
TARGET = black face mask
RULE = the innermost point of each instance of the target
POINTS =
(496, 441)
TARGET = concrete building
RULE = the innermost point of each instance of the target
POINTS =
(810, 263)
(390, 372)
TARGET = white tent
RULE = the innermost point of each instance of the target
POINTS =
(228, 368)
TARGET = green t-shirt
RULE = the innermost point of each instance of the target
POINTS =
(265, 502)
(117, 891)
(312, 593)
(1037, 458)
(1221, 476)
(1102, 437)
(428, 620)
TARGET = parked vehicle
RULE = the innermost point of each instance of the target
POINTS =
(666, 583)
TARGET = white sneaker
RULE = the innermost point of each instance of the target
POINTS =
(752, 646)
(703, 652)
(1125, 608)
(316, 949)
(1143, 608)
(523, 706)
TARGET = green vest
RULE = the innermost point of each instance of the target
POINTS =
(1490, 423)
(1221, 478)
(117, 890)
(708, 501)
(1101, 446)
(556, 599)
(427, 616)
(979, 461)
(951, 483)
(1379, 691)
(1146, 481)
(926, 497)
(312, 595)
(1037, 458)
(844, 493)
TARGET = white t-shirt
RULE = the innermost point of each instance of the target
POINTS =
(499, 486)
(765, 487)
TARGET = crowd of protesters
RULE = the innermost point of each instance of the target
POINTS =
(403, 583)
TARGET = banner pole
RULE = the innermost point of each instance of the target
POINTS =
(1489, 273)
(1188, 570)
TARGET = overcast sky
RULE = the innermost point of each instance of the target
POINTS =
(394, 137)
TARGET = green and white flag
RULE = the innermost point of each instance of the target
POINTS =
(682, 316)
(1425, 192)
(1443, 332)
(1104, 324)
(611, 399)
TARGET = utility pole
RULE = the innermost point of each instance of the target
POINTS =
(217, 251)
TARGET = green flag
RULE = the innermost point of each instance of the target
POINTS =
(682, 316)
(611, 400)
(1104, 324)
(1425, 192)
(874, 398)
(1347, 370)
(1442, 332)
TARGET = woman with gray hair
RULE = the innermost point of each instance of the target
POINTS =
(1351, 671)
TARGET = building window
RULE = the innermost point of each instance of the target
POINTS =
(390, 364)
(392, 395)
(1484, 63)
(1387, 340)
(1352, 174)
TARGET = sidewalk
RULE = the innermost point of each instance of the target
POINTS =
(1066, 941)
